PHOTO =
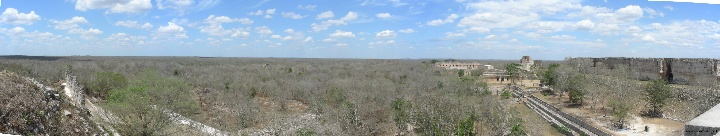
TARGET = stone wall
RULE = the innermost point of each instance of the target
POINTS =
(674, 70)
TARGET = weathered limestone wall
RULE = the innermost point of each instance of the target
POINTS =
(685, 71)
(676, 70)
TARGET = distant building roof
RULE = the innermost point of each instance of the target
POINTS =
(710, 118)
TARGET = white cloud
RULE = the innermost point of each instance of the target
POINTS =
(123, 6)
(341, 44)
(584, 25)
(692, 1)
(325, 24)
(633, 30)
(133, 24)
(212, 19)
(388, 42)
(329, 40)
(275, 36)
(340, 34)
(184, 6)
(496, 20)
(629, 13)
(70, 23)
(263, 30)
(652, 12)
(350, 16)
(384, 15)
(449, 19)
(146, 26)
(562, 37)
(626, 14)
(407, 31)
(453, 35)
(508, 14)
(267, 13)
(128, 23)
(257, 13)
(714, 36)
(547, 26)
(170, 31)
(606, 29)
(648, 38)
(292, 15)
(270, 11)
(307, 39)
(240, 32)
(86, 34)
(12, 16)
(477, 30)
(214, 26)
(326, 14)
(308, 7)
(123, 39)
(669, 7)
(387, 34)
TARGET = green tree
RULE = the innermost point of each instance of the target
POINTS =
(477, 72)
(505, 94)
(657, 92)
(466, 127)
(104, 82)
(512, 70)
(401, 109)
(619, 111)
(550, 76)
(461, 73)
(142, 104)
(575, 89)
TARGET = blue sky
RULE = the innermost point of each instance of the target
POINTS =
(463, 29)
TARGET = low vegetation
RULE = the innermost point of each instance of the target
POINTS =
(251, 95)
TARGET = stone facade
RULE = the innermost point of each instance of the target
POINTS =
(674, 70)
(526, 63)
(460, 65)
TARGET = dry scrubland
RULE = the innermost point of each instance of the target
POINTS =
(287, 96)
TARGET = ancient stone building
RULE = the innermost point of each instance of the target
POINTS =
(674, 70)
(459, 65)
(526, 63)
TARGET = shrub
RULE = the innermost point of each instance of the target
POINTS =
(104, 82)
(619, 111)
(657, 92)
(142, 103)
(466, 127)
(304, 132)
(401, 109)
(505, 94)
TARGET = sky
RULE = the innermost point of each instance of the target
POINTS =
(372, 29)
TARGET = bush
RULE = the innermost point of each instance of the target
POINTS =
(140, 105)
(104, 82)
(505, 94)
(619, 111)
(466, 127)
(401, 109)
(303, 132)
(657, 93)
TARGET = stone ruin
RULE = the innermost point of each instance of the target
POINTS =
(673, 70)
(526, 63)
(704, 125)
(460, 65)
(74, 92)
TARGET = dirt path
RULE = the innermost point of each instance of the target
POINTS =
(554, 115)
